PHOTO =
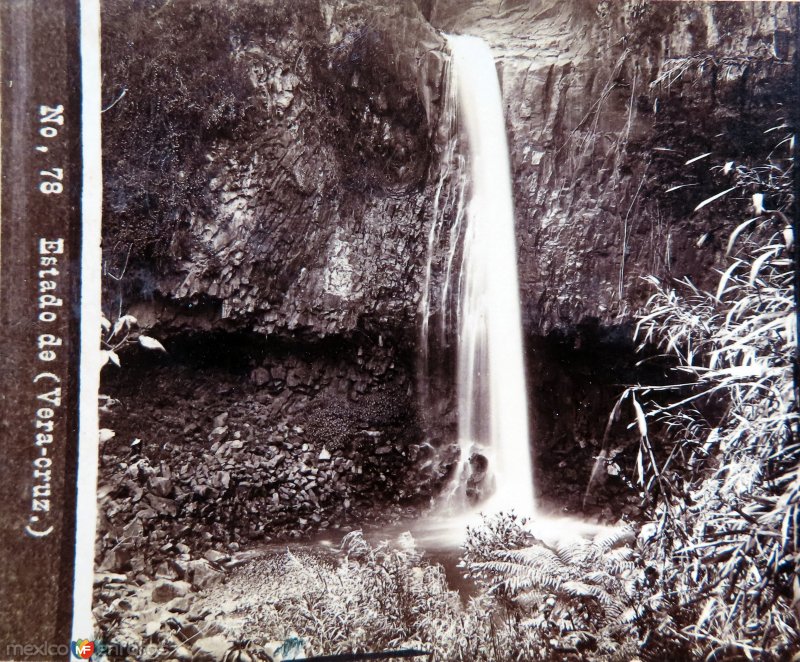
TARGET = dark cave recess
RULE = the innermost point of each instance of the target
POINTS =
(357, 399)
(576, 375)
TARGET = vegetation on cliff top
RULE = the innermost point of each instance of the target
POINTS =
(175, 81)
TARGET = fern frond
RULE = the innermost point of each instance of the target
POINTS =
(516, 577)
(615, 537)
(580, 552)
(532, 598)
(579, 589)
(531, 555)
(631, 615)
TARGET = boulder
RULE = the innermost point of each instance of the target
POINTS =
(203, 574)
(180, 605)
(166, 590)
(161, 486)
(182, 654)
(101, 578)
(210, 649)
(216, 557)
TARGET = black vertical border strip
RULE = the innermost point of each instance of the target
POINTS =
(39, 65)
(14, 36)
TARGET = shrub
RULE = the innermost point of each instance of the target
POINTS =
(577, 597)
(372, 599)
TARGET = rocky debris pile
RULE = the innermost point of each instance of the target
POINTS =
(227, 456)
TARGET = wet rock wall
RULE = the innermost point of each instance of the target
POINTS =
(605, 104)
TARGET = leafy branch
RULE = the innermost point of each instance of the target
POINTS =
(123, 333)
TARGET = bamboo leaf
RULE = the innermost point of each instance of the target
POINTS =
(708, 610)
(725, 277)
(708, 201)
(758, 203)
(679, 186)
(697, 158)
(759, 262)
(640, 467)
(735, 234)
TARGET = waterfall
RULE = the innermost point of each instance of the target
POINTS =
(474, 219)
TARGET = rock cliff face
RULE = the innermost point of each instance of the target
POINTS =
(265, 201)
(311, 215)
(606, 102)
(307, 206)
(272, 174)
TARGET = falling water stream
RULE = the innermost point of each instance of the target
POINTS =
(493, 433)
(471, 321)
(471, 312)
(492, 396)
